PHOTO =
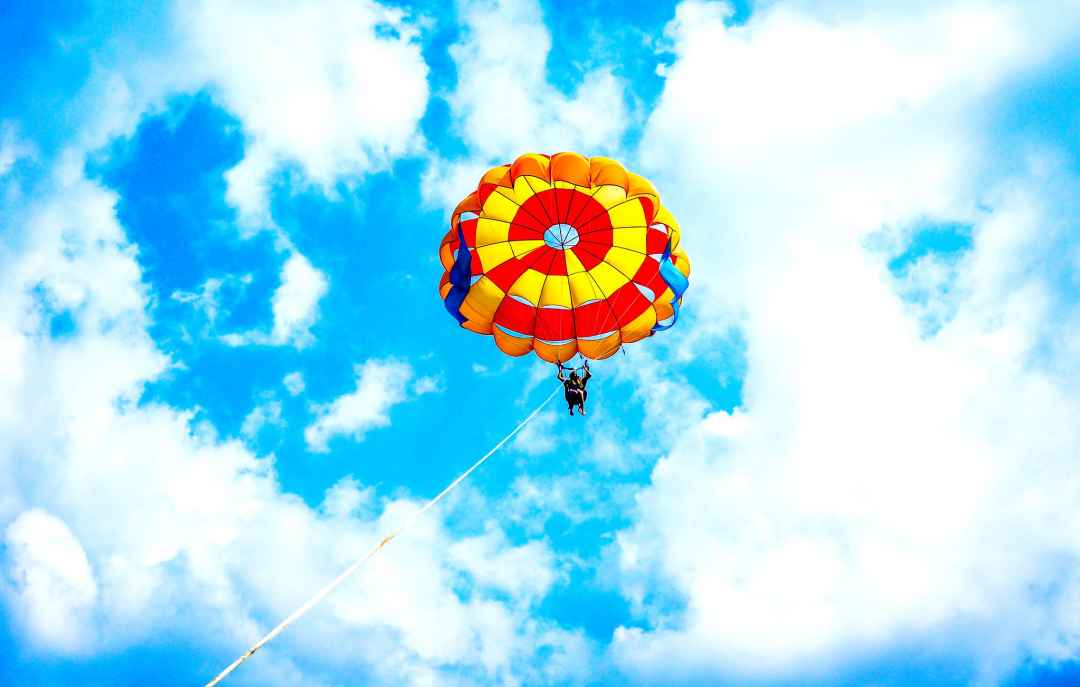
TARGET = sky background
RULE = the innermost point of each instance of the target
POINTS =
(225, 371)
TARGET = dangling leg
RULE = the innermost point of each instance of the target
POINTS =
(573, 398)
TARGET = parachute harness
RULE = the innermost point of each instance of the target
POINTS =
(348, 572)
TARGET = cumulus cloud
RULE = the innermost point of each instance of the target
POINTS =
(267, 413)
(332, 91)
(503, 96)
(12, 147)
(880, 487)
(539, 436)
(295, 305)
(347, 497)
(337, 88)
(294, 383)
(380, 385)
(200, 542)
(428, 384)
(505, 105)
(532, 501)
(146, 522)
(329, 92)
(528, 571)
(127, 519)
(50, 582)
(296, 300)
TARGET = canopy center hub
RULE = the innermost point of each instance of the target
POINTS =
(561, 236)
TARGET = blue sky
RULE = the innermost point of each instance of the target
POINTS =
(852, 462)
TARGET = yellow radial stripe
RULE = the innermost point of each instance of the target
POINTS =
(538, 220)
(609, 196)
(583, 288)
(528, 286)
(626, 261)
(516, 195)
(498, 206)
(630, 238)
(573, 265)
(556, 291)
(536, 183)
(533, 230)
(607, 278)
(493, 255)
(525, 246)
(629, 214)
(491, 231)
(522, 191)
(609, 210)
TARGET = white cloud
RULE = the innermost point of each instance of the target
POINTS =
(295, 305)
(49, 580)
(380, 385)
(539, 436)
(504, 104)
(204, 299)
(504, 99)
(12, 148)
(927, 284)
(531, 501)
(266, 413)
(428, 385)
(294, 383)
(348, 90)
(181, 531)
(295, 302)
(125, 520)
(207, 298)
(527, 571)
(539, 372)
(880, 488)
(347, 497)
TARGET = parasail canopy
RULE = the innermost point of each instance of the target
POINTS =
(563, 254)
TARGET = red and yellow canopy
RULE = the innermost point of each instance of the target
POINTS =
(561, 255)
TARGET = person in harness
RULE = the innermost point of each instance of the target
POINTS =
(574, 387)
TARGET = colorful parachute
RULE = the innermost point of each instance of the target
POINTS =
(563, 254)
